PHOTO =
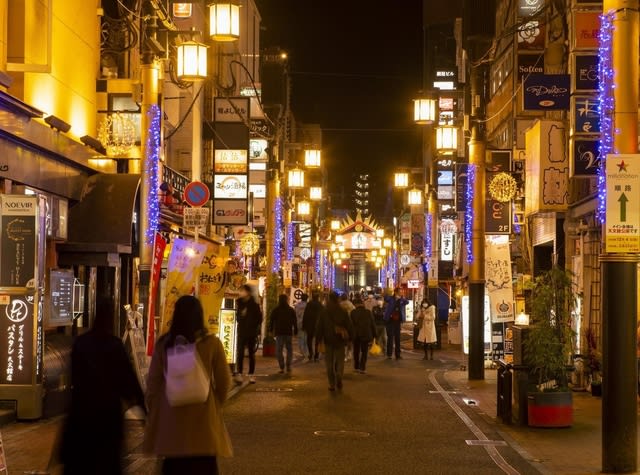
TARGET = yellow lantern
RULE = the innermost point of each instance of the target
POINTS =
(424, 111)
(341, 248)
(387, 243)
(192, 61)
(339, 239)
(304, 208)
(414, 197)
(315, 193)
(338, 262)
(376, 243)
(224, 21)
(401, 180)
(380, 233)
(335, 224)
(312, 158)
(383, 251)
(446, 138)
(296, 178)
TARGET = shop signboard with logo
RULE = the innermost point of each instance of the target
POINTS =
(497, 213)
(586, 28)
(527, 8)
(585, 160)
(622, 229)
(585, 72)
(546, 92)
(18, 241)
(230, 212)
(227, 333)
(586, 115)
(530, 64)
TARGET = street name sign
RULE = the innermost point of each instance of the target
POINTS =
(622, 230)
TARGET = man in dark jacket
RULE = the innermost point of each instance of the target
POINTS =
(249, 318)
(394, 317)
(283, 323)
(335, 329)
(309, 321)
(364, 332)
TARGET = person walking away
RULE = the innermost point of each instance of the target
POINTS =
(364, 330)
(102, 381)
(284, 325)
(309, 320)
(302, 336)
(190, 437)
(427, 323)
(370, 302)
(335, 330)
(378, 318)
(249, 320)
(348, 306)
(394, 316)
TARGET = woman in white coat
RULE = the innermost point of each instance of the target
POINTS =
(427, 322)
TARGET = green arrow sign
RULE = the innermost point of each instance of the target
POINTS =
(623, 207)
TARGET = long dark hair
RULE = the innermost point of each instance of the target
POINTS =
(105, 316)
(187, 320)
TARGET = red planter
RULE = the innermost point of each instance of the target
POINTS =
(550, 409)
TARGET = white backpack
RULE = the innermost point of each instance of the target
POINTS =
(186, 381)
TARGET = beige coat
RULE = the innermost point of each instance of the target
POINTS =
(428, 325)
(196, 429)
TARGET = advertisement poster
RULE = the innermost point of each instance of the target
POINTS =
(16, 339)
(184, 262)
(465, 325)
(213, 280)
(159, 245)
(498, 278)
(18, 241)
(227, 333)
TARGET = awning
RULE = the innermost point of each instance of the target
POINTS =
(100, 226)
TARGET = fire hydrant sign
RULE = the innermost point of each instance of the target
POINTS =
(622, 233)
(195, 217)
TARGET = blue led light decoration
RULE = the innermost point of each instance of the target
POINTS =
(468, 212)
(151, 162)
(291, 235)
(316, 262)
(606, 107)
(279, 236)
(428, 239)
(516, 223)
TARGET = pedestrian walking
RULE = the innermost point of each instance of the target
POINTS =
(189, 437)
(394, 316)
(347, 305)
(427, 323)
(102, 382)
(364, 330)
(309, 320)
(335, 330)
(249, 320)
(284, 325)
(302, 334)
(381, 329)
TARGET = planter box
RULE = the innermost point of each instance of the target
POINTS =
(550, 409)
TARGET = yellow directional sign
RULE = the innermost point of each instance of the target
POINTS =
(622, 229)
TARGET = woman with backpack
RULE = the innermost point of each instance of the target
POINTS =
(189, 437)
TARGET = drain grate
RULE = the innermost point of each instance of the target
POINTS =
(342, 434)
(274, 390)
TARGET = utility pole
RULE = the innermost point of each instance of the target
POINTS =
(619, 271)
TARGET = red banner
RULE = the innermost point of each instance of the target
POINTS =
(159, 244)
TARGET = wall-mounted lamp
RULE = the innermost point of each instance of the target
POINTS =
(335, 224)
(57, 123)
(312, 158)
(224, 21)
(295, 178)
(93, 143)
(304, 208)
(522, 319)
(446, 138)
(401, 180)
(414, 197)
(387, 243)
(425, 110)
(192, 61)
(315, 193)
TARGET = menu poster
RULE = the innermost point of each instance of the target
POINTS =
(60, 297)
(16, 339)
(18, 240)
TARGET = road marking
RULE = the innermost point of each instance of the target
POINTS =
(501, 443)
(491, 449)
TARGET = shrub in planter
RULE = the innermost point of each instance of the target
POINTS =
(548, 349)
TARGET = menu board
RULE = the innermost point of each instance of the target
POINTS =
(16, 339)
(60, 297)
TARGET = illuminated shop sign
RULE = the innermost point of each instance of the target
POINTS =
(230, 161)
(227, 333)
(230, 186)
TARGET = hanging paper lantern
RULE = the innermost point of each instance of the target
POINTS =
(503, 187)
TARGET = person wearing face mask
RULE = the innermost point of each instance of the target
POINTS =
(249, 318)
(394, 317)
(427, 323)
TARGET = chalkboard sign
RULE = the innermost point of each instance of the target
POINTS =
(60, 297)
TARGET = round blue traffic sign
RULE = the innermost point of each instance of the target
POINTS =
(196, 193)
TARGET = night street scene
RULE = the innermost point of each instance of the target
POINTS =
(319, 237)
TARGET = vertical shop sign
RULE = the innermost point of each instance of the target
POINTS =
(498, 278)
(16, 339)
(159, 245)
(18, 241)
(213, 280)
(227, 333)
(497, 213)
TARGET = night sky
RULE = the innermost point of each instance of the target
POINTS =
(356, 66)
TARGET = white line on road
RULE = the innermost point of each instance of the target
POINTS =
(491, 449)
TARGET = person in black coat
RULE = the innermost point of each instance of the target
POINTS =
(249, 319)
(335, 329)
(103, 381)
(364, 332)
(284, 324)
(309, 320)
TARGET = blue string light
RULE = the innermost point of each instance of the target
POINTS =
(468, 211)
(317, 262)
(428, 242)
(605, 108)
(516, 224)
(279, 237)
(291, 234)
(152, 160)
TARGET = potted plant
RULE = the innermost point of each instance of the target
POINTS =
(548, 349)
(272, 288)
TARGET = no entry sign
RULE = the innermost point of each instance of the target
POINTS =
(196, 193)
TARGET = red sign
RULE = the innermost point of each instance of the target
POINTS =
(196, 193)
(159, 244)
